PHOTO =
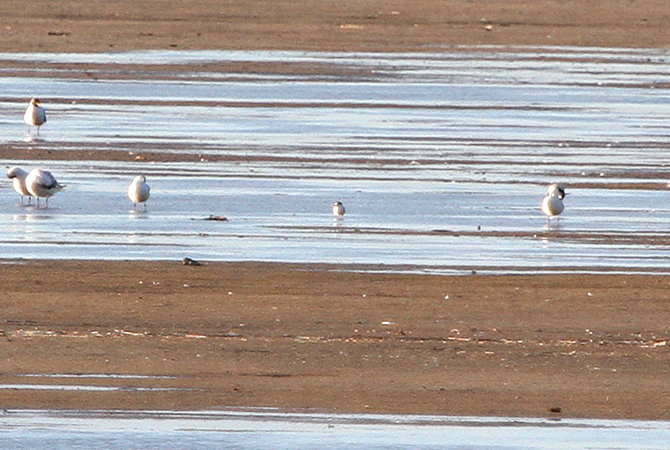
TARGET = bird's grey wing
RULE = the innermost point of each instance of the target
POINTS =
(47, 181)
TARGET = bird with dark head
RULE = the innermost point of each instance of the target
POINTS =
(35, 116)
(338, 209)
(552, 203)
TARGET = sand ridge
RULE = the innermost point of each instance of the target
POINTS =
(321, 338)
(365, 25)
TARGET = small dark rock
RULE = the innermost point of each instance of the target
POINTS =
(213, 217)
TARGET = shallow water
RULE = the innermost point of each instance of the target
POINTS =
(440, 159)
(257, 429)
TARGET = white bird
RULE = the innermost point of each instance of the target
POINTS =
(41, 183)
(35, 115)
(338, 209)
(552, 204)
(18, 177)
(138, 191)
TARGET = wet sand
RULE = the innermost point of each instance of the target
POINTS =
(366, 25)
(320, 338)
(292, 336)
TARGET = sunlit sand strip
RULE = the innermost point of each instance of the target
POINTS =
(93, 375)
(63, 387)
(378, 336)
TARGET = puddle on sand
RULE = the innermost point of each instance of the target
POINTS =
(92, 375)
(440, 159)
(254, 429)
(87, 388)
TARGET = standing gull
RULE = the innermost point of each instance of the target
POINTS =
(41, 183)
(338, 209)
(35, 115)
(18, 177)
(138, 191)
(552, 204)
